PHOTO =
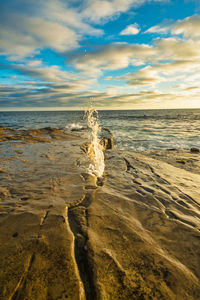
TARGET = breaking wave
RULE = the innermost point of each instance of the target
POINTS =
(75, 126)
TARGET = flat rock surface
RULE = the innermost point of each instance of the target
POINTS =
(134, 235)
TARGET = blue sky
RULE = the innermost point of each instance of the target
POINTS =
(130, 54)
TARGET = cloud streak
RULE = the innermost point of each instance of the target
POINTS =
(189, 28)
(19, 96)
(131, 30)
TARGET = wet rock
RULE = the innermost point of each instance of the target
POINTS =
(107, 140)
(194, 150)
(43, 135)
(15, 234)
(24, 198)
(181, 161)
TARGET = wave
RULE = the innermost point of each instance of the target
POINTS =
(75, 127)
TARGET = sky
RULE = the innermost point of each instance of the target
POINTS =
(117, 54)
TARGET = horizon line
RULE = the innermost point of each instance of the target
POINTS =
(114, 109)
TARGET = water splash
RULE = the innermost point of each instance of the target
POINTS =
(95, 149)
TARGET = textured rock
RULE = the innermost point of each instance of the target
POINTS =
(134, 235)
(194, 150)
(107, 139)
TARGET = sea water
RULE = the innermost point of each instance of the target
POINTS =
(132, 129)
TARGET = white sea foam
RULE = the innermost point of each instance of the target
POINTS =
(74, 126)
(95, 150)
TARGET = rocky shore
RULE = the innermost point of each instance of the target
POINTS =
(64, 235)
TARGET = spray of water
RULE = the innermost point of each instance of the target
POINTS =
(95, 149)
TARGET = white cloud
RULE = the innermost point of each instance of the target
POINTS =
(96, 10)
(170, 61)
(27, 35)
(158, 29)
(119, 56)
(176, 49)
(35, 74)
(99, 10)
(113, 57)
(27, 26)
(34, 63)
(145, 76)
(177, 67)
(130, 30)
(188, 27)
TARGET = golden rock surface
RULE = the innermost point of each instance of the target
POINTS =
(63, 235)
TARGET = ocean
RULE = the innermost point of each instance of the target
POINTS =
(132, 129)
